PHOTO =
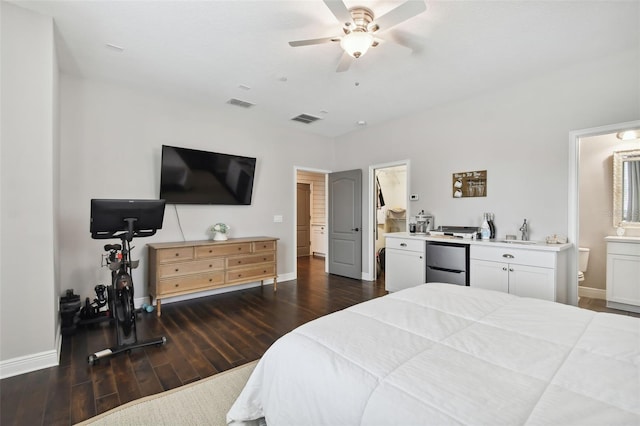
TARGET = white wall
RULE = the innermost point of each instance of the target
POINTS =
(111, 140)
(28, 302)
(518, 134)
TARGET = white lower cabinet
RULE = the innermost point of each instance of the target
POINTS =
(623, 274)
(318, 239)
(528, 273)
(405, 263)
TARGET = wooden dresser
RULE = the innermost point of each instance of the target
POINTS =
(187, 267)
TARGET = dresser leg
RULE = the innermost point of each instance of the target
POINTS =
(275, 283)
(158, 305)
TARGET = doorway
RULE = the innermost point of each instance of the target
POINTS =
(576, 138)
(389, 210)
(310, 213)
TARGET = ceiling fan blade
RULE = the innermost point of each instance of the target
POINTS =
(339, 10)
(401, 13)
(313, 41)
(345, 62)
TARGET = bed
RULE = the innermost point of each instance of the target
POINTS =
(447, 354)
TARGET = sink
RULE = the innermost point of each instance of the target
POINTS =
(517, 242)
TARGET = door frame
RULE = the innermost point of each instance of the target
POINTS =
(370, 252)
(294, 190)
(573, 219)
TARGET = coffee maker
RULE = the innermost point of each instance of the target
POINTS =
(424, 223)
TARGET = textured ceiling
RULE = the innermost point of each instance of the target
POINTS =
(212, 51)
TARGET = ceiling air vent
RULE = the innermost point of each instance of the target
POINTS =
(238, 102)
(305, 118)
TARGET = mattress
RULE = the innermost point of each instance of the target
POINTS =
(444, 354)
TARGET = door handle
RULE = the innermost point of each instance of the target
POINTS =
(355, 229)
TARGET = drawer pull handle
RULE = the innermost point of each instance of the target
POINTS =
(239, 262)
(403, 244)
(508, 256)
(177, 285)
(264, 258)
(210, 279)
(177, 254)
(510, 269)
(210, 266)
(239, 248)
(264, 272)
(210, 251)
(177, 269)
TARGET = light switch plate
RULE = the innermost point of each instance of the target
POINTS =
(277, 218)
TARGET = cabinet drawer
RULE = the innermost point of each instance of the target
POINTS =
(257, 272)
(186, 268)
(237, 261)
(405, 244)
(515, 256)
(222, 250)
(264, 246)
(180, 284)
(175, 254)
(630, 249)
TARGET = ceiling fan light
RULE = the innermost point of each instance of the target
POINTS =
(629, 135)
(356, 43)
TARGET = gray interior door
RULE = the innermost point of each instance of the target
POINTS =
(345, 223)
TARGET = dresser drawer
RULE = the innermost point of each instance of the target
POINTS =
(238, 261)
(222, 250)
(256, 272)
(193, 267)
(180, 284)
(264, 246)
(177, 254)
(515, 256)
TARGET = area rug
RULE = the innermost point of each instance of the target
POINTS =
(203, 402)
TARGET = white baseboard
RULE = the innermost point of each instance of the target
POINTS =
(593, 293)
(281, 278)
(32, 362)
(28, 363)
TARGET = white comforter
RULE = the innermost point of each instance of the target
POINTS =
(445, 354)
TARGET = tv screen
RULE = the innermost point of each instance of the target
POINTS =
(190, 176)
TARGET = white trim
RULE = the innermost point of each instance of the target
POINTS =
(573, 220)
(591, 292)
(28, 363)
(370, 273)
(281, 278)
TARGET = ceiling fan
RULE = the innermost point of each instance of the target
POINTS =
(360, 27)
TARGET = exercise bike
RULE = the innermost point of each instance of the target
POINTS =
(124, 219)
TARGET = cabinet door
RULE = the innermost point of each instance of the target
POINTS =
(623, 282)
(489, 275)
(403, 269)
(532, 281)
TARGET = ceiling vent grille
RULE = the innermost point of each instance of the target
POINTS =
(238, 102)
(305, 118)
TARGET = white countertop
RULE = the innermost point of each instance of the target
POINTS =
(615, 238)
(516, 244)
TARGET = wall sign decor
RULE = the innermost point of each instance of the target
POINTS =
(470, 184)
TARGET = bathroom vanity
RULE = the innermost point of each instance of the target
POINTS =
(623, 273)
(525, 268)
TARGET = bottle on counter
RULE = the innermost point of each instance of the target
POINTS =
(485, 231)
(492, 225)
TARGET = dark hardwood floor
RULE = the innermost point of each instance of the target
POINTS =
(205, 336)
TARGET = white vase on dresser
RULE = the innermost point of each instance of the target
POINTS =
(623, 273)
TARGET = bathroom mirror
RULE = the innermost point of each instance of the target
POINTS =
(626, 188)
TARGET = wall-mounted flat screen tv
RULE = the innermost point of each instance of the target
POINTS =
(190, 176)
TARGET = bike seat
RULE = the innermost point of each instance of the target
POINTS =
(108, 247)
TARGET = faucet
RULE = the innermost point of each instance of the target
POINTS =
(525, 231)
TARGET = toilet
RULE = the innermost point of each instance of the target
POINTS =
(583, 261)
